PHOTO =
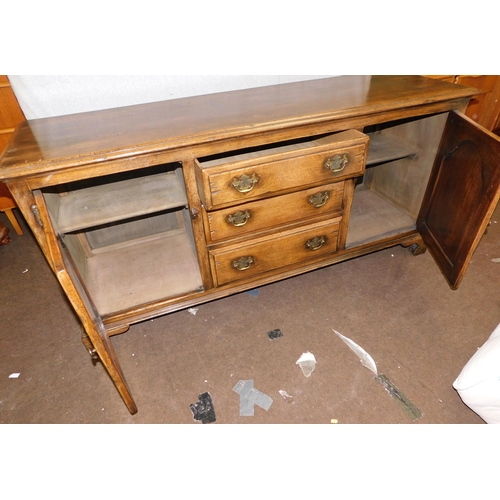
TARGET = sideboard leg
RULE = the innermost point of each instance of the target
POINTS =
(415, 245)
(417, 249)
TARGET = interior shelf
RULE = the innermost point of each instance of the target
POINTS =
(383, 148)
(373, 217)
(142, 271)
(100, 204)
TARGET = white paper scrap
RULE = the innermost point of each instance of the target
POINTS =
(364, 357)
(495, 260)
(307, 363)
(14, 375)
(285, 395)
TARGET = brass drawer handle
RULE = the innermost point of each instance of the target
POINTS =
(319, 199)
(316, 243)
(337, 163)
(244, 184)
(239, 218)
(243, 263)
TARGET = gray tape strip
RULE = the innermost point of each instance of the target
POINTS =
(260, 399)
(249, 397)
(399, 397)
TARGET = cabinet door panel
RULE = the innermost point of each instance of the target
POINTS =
(68, 276)
(463, 191)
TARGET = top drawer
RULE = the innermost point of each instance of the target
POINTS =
(230, 180)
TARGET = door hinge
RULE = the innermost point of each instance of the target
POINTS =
(36, 213)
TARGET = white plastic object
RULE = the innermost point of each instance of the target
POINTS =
(479, 381)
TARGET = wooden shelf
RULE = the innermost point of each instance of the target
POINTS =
(142, 271)
(372, 218)
(382, 149)
(103, 204)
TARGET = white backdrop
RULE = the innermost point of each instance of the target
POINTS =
(41, 96)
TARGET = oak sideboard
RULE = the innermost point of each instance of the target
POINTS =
(147, 209)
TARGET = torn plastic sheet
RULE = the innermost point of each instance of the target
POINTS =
(204, 409)
(307, 363)
(249, 397)
(394, 392)
(364, 357)
(287, 397)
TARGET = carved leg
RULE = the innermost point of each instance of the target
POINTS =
(417, 249)
(416, 245)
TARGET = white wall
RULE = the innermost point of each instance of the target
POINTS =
(47, 95)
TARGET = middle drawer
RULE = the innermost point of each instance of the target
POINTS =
(274, 212)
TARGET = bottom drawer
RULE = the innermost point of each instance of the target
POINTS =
(236, 262)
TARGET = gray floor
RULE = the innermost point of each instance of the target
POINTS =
(396, 306)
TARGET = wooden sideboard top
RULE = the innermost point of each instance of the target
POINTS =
(47, 144)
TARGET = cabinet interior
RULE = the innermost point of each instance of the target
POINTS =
(388, 197)
(129, 235)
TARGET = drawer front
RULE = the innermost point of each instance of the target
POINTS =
(275, 212)
(283, 170)
(272, 253)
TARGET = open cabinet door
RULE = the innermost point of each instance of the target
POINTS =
(462, 194)
(95, 337)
